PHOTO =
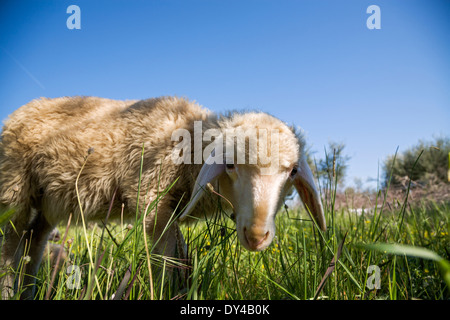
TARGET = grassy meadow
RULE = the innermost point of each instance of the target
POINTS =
(116, 262)
(392, 250)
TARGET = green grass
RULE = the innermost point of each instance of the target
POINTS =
(408, 245)
(291, 268)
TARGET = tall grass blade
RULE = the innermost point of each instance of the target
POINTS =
(6, 216)
(330, 268)
(123, 285)
(411, 251)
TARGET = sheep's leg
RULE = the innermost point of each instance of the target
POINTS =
(12, 251)
(181, 247)
(182, 253)
(162, 235)
(13, 242)
(24, 239)
(168, 240)
(39, 233)
(31, 245)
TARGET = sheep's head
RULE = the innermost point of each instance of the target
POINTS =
(255, 166)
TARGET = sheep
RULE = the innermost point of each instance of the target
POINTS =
(45, 143)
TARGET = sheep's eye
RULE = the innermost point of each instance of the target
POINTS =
(230, 166)
(294, 171)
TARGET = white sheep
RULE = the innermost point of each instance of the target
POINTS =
(44, 145)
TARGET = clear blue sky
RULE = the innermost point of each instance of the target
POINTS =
(311, 63)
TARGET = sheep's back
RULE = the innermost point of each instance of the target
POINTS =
(45, 143)
(30, 127)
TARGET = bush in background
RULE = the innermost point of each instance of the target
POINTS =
(431, 167)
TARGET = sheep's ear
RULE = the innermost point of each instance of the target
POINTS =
(306, 188)
(207, 174)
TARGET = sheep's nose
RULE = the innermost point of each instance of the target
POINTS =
(256, 238)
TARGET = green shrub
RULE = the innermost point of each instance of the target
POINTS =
(432, 165)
